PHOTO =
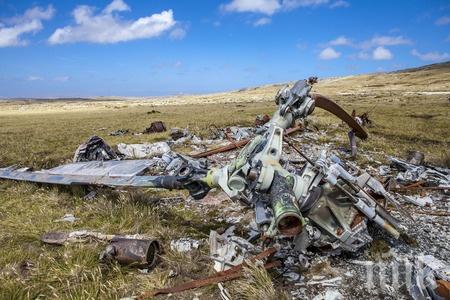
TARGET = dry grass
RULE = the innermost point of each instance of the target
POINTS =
(256, 284)
(45, 134)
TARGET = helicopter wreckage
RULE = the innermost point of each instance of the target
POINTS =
(327, 204)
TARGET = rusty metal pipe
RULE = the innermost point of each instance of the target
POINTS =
(141, 253)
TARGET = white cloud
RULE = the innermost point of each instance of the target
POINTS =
(29, 22)
(329, 53)
(339, 3)
(340, 41)
(443, 20)
(116, 5)
(34, 78)
(267, 7)
(178, 33)
(291, 4)
(381, 53)
(262, 22)
(385, 40)
(431, 56)
(107, 27)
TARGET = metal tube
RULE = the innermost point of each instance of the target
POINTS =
(141, 253)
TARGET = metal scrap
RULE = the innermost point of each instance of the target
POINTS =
(177, 133)
(119, 132)
(431, 279)
(142, 253)
(138, 151)
(95, 148)
(261, 120)
(136, 250)
(419, 201)
(67, 218)
(228, 250)
(184, 244)
(79, 236)
(230, 274)
(155, 127)
(410, 173)
(237, 144)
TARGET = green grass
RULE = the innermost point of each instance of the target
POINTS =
(47, 139)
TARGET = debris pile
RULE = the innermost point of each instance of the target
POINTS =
(138, 151)
(95, 148)
(306, 213)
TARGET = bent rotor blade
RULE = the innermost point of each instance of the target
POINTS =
(96, 173)
(332, 107)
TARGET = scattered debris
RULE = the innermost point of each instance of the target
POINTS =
(224, 294)
(326, 282)
(352, 136)
(119, 132)
(228, 250)
(299, 200)
(142, 253)
(67, 218)
(90, 196)
(432, 279)
(177, 133)
(260, 120)
(420, 201)
(138, 151)
(81, 236)
(239, 133)
(329, 295)
(230, 274)
(153, 112)
(238, 144)
(135, 250)
(184, 245)
(25, 267)
(95, 148)
(415, 158)
(410, 173)
(154, 127)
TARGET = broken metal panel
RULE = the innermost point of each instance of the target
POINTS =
(102, 173)
(113, 168)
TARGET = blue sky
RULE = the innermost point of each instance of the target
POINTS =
(160, 47)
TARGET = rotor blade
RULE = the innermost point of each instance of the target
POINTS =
(332, 107)
(96, 173)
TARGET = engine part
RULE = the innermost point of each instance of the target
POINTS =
(141, 253)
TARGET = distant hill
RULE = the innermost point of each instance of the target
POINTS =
(433, 78)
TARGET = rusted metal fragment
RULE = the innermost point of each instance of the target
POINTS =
(141, 253)
(154, 127)
(237, 144)
(443, 288)
(261, 120)
(330, 106)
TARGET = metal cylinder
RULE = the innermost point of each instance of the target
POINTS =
(141, 253)
(287, 216)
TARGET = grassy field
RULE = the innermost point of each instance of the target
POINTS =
(406, 117)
